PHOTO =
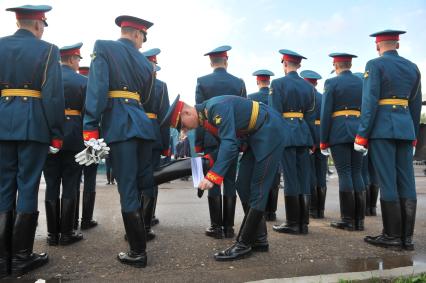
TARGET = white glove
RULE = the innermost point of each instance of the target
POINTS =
(53, 150)
(360, 148)
(325, 152)
(414, 150)
(96, 150)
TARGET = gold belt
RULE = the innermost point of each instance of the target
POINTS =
(151, 115)
(393, 101)
(293, 115)
(253, 116)
(21, 92)
(124, 94)
(356, 113)
(317, 122)
(71, 112)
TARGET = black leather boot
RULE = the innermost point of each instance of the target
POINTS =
(322, 193)
(176, 169)
(243, 246)
(313, 207)
(304, 213)
(53, 221)
(23, 258)
(135, 231)
(408, 214)
(359, 210)
(87, 221)
(374, 194)
(148, 210)
(215, 209)
(392, 226)
(68, 235)
(261, 243)
(229, 215)
(271, 207)
(77, 210)
(155, 220)
(292, 211)
(6, 223)
(347, 211)
(367, 201)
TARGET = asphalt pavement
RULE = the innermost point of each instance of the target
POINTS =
(182, 253)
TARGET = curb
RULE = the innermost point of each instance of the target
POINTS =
(364, 275)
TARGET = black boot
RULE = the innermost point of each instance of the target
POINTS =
(68, 235)
(23, 258)
(243, 246)
(87, 221)
(148, 210)
(271, 207)
(53, 221)
(374, 194)
(155, 220)
(392, 226)
(347, 211)
(176, 169)
(135, 231)
(367, 201)
(322, 193)
(408, 214)
(229, 215)
(313, 207)
(77, 210)
(215, 208)
(359, 210)
(6, 223)
(261, 241)
(304, 213)
(292, 211)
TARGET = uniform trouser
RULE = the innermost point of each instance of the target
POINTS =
(393, 162)
(348, 164)
(149, 188)
(365, 171)
(296, 166)
(21, 163)
(90, 178)
(372, 172)
(129, 158)
(108, 169)
(320, 164)
(255, 178)
(62, 168)
(228, 180)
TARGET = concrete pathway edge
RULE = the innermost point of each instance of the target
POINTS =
(364, 275)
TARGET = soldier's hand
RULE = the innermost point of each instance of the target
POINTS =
(53, 150)
(360, 148)
(205, 184)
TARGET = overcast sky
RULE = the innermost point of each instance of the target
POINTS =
(185, 30)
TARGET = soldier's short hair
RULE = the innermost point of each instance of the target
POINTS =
(344, 65)
(26, 22)
(293, 64)
(65, 58)
(218, 60)
(127, 30)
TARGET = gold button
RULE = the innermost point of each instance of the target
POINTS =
(291, 119)
(125, 88)
(346, 116)
(346, 108)
(394, 96)
(25, 86)
(7, 97)
(393, 106)
(6, 86)
(126, 100)
(68, 118)
(25, 98)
